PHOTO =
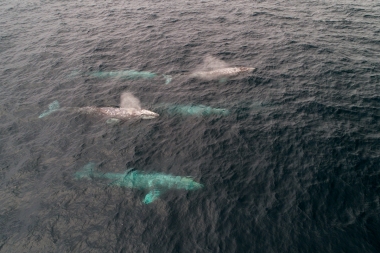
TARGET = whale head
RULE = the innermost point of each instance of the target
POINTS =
(146, 114)
(245, 69)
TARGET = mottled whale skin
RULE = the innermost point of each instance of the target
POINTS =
(224, 72)
(111, 112)
(120, 113)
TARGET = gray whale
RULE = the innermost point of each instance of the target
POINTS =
(223, 72)
(120, 113)
(129, 108)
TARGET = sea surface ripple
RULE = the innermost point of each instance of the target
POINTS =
(293, 167)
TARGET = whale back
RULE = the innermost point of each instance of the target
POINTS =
(223, 72)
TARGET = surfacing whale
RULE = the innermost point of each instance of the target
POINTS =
(129, 108)
(154, 183)
(119, 113)
(130, 74)
(222, 72)
(194, 110)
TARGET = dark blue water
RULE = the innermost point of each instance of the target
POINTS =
(294, 166)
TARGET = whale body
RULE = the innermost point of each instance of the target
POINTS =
(111, 112)
(154, 183)
(120, 113)
(223, 72)
(195, 110)
(129, 74)
(129, 108)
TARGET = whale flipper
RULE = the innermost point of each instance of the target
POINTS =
(54, 106)
(151, 196)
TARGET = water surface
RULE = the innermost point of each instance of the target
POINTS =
(293, 167)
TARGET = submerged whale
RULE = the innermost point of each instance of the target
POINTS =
(130, 74)
(129, 108)
(154, 183)
(194, 110)
(222, 72)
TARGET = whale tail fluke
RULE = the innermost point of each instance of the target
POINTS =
(168, 78)
(151, 196)
(86, 172)
(54, 106)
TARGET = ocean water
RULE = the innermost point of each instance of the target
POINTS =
(293, 166)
